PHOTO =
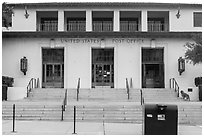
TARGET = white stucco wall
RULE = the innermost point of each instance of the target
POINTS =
(77, 61)
(128, 64)
(78, 65)
(184, 23)
(13, 50)
(20, 23)
(186, 79)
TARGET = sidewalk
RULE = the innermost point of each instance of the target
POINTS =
(83, 128)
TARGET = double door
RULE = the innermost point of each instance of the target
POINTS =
(53, 75)
(153, 75)
(102, 74)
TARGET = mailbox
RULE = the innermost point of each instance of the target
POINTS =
(24, 65)
(160, 119)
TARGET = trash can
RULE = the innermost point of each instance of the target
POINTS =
(160, 119)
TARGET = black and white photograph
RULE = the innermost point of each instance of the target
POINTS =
(101, 67)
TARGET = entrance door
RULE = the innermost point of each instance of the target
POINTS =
(152, 68)
(103, 75)
(54, 75)
(153, 76)
(102, 67)
(53, 68)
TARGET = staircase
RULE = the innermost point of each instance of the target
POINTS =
(190, 113)
(47, 94)
(105, 113)
(32, 111)
(154, 95)
(104, 95)
(98, 105)
(42, 104)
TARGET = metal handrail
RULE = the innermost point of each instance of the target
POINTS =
(141, 97)
(101, 26)
(48, 26)
(128, 89)
(76, 26)
(157, 27)
(129, 26)
(65, 100)
(33, 83)
(78, 86)
(174, 85)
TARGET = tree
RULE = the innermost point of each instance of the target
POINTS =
(193, 53)
(7, 13)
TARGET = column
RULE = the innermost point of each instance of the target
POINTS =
(88, 20)
(144, 20)
(60, 20)
(116, 20)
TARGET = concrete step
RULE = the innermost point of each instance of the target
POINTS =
(187, 114)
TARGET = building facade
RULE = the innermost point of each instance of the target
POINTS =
(101, 43)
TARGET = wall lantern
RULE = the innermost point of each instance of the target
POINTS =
(178, 13)
(181, 65)
(26, 12)
(24, 65)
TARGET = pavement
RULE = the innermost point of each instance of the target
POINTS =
(83, 128)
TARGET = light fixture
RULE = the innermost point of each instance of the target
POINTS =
(24, 65)
(178, 13)
(26, 12)
(181, 65)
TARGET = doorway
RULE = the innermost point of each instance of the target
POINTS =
(103, 67)
(53, 68)
(152, 68)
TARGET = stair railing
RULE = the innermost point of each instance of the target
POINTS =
(131, 83)
(65, 100)
(141, 97)
(128, 89)
(174, 85)
(33, 83)
(78, 86)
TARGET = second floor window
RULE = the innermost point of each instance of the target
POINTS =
(48, 24)
(197, 19)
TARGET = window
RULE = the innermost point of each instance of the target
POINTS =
(197, 18)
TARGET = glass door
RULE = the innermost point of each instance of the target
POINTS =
(53, 75)
(103, 75)
(102, 67)
(152, 68)
(53, 68)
